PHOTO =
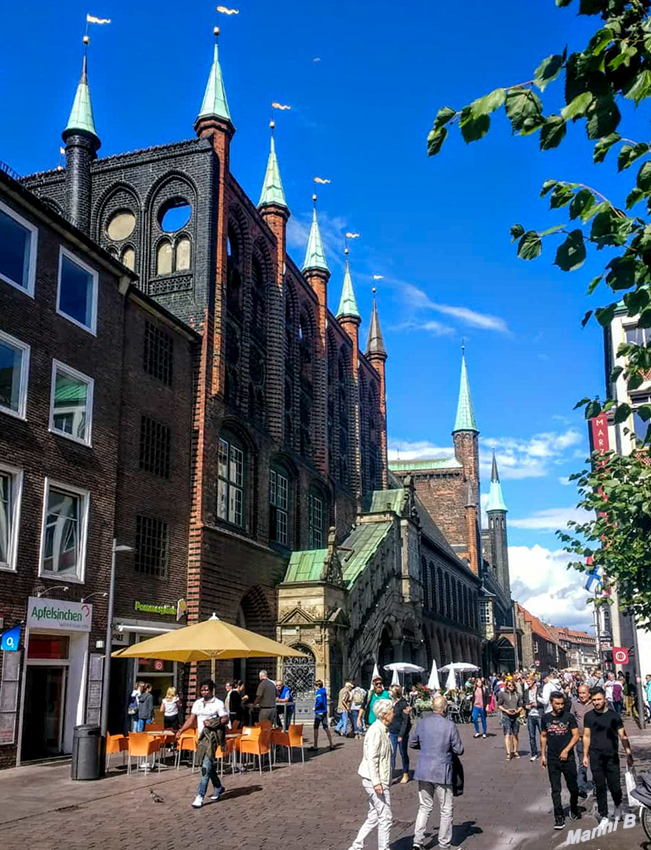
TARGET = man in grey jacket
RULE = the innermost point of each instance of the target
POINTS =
(438, 740)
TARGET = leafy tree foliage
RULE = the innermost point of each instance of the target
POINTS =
(613, 67)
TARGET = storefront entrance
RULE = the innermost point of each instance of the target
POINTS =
(43, 717)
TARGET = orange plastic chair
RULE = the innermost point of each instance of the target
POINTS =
(115, 744)
(222, 755)
(156, 726)
(264, 724)
(295, 734)
(141, 745)
(235, 725)
(188, 741)
(258, 743)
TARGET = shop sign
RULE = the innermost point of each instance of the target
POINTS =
(10, 640)
(56, 614)
(163, 610)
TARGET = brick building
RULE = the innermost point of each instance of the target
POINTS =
(580, 647)
(539, 646)
(73, 387)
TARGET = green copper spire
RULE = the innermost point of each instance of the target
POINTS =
(465, 420)
(375, 344)
(81, 116)
(495, 498)
(214, 99)
(315, 255)
(348, 302)
(272, 193)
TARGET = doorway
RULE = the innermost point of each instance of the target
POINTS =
(44, 712)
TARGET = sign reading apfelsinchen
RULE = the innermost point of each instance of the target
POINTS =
(56, 614)
(165, 610)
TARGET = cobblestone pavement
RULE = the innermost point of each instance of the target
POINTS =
(321, 803)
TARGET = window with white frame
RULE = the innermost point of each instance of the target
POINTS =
(638, 336)
(77, 292)
(18, 241)
(14, 371)
(485, 612)
(640, 426)
(535, 647)
(316, 522)
(65, 523)
(71, 406)
(230, 482)
(11, 483)
(278, 507)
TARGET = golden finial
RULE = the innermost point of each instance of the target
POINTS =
(272, 125)
(346, 250)
(86, 40)
(216, 31)
(314, 198)
(374, 290)
(463, 345)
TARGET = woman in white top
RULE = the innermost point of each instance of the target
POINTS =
(170, 706)
(375, 771)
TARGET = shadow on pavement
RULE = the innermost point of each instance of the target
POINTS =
(244, 791)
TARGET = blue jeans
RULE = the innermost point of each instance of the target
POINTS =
(533, 723)
(137, 725)
(356, 717)
(584, 783)
(404, 752)
(209, 772)
(478, 713)
(342, 726)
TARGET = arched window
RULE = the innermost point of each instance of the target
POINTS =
(432, 586)
(316, 520)
(233, 274)
(258, 303)
(448, 598)
(230, 480)
(164, 258)
(441, 592)
(424, 577)
(129, 257)
(279, 505)
(183, 254)
(342, 391)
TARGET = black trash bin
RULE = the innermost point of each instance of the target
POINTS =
(86, 752)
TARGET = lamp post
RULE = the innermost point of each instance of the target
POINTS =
(109, 634)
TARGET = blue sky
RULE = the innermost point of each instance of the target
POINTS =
(364, 81)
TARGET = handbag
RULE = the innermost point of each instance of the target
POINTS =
(631, 783)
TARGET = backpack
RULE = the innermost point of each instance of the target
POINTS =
(132, 705)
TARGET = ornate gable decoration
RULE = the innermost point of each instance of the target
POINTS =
(332, 569)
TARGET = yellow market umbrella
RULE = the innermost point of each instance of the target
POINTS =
(208, 641)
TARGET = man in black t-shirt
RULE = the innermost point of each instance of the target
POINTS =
(558, 737)
(602, 731)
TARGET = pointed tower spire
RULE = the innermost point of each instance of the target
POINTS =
(273, 194)
(465, 420)
(315, 255)
(348, 302)
(214, 99)
(375, 344)
(495, 498)
(81, 118)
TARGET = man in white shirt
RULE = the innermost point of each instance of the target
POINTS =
(207, 706)
(552, 684)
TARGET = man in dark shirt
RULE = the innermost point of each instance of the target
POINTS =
(558, 738)
(603, 730)
(265, 698)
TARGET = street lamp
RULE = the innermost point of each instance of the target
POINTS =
(44, 591)
(109, 634)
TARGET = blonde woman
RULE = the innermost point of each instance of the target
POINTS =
(170, 706)
(375, 771)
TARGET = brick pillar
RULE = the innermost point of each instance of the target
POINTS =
(276, 218)
(318, 280)
(378, 362)
(350, 324)
(81, 152)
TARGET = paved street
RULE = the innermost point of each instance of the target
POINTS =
(321, 803)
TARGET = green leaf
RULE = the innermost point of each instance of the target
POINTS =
(604, 315)
(591, 7)
(636, 301)
(622, 273)
(600, 40)
(473, 127)
(626, 54)
(548, 70)
(552, 132)
(435, 141)
(443, 116)
(615, 373)
(641, 88)
(604, 145)
(561, 3)
(571, 253)
(551, 230)
(516, 232)
(524, 109)
(603, 117)
(644, 178)
(629, 153)
(622, 413)
(578, 107)
(644, 319)
(610, 229)
(594, 283)
(644, 412)
(633, 197)
(530, 246)
(547, 186)
(584, 322)
(561, 196)
(581, 203)
(489, 103)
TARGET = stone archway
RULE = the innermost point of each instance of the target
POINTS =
(385, 648)
(257, 615)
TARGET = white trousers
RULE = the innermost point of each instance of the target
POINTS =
(379, 817)
(426, 792)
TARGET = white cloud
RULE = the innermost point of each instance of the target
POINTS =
(332, 233)
(532, 457)
(550, 519)
(541, 582)
(416, 449)
(471, 317)
(564, 480)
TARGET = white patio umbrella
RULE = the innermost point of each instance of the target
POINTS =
(395, 679)
(459, 667)
(451, 683)
(403, 667)
(376, 673)
(433, 682)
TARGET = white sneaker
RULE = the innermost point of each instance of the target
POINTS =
(533, 758)
(217, 793)
(197, 803)
(604, 823)
(617, 814)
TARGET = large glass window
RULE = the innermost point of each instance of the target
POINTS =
(72, 403)
(77, 299)
(230, 483)
(317, 531)
(279, 507)
(64, 538)
(639, 336)
(14, 368)
(17, 250)
(10, 490)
